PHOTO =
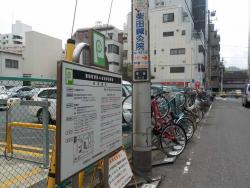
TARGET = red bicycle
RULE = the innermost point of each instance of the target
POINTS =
(166, 135)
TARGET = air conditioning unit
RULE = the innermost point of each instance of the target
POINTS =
(185, 14)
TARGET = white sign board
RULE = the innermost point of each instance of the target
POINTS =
(120, 172)
(91, 117)
(140, 44)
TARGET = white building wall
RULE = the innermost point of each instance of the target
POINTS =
(41, 55)
(20, 29)
(160, 46)
(11, 72)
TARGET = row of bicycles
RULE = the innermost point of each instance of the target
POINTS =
(175, 117)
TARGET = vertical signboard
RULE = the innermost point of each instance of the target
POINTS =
(98, 42)
(140, 46)
(89, 117)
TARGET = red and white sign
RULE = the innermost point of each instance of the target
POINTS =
(120, 172)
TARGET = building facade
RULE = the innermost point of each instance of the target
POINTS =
(113, 44)
(177, 50)
(199, 11)
(234, 80)
(15, 41)
(214, 64)
(41, 54)
(11, 64)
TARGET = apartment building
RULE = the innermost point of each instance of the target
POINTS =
(113, 43)
(15, 41)
(177, 51)
(214, 64)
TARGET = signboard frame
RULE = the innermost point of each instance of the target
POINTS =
(93, 51)
(59, 119)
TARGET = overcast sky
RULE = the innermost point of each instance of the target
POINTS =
(54, 17)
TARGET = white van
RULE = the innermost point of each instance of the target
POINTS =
(246, 96)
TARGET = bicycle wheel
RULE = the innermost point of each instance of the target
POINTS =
(155, 141)
(188, 125)
(163, 106)
(173, 140)
(199, 115)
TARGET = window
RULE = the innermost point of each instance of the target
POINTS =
(51, 94)
(110, 35)
(177, 69)
(26, 89)
(125, 54)
(17, 42)
(16, 37)
(112, 48)
(201, 49)
(183, 32)
(214, 78)
(43, 94)
(177, 51)
(201, 68)
(10, 63)
(123, 93)
(168, 34)
(168, 17)
(114, 63)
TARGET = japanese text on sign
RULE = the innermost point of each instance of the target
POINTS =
(140, 28)
(120, 172)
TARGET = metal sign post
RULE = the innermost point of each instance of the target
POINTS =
(141, 88)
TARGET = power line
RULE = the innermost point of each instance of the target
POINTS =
(110, 9)
(73, 20)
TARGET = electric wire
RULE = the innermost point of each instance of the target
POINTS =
(110, 10)
(74, 20)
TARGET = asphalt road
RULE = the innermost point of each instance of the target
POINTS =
(219, 154)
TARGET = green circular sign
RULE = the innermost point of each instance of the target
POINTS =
(99, 47)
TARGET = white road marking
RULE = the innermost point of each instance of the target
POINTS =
(188, 164)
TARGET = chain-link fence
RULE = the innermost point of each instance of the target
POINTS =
(27, 130)
(27, 108)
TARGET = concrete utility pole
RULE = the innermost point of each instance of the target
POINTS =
(222, 75)
(208, 54)
(141, 157)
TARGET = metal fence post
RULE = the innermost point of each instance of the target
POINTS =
(46, 135)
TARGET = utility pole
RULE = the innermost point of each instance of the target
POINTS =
(208, 54)
(222, 75)
(141, 154)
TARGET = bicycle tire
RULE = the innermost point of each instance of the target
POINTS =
(176, 144)
(188, 125)
(164, 107)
